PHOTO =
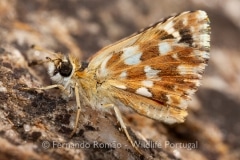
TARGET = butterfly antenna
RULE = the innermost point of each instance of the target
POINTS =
(38, 48)
(40, 62)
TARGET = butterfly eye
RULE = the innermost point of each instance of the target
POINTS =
(65, 69)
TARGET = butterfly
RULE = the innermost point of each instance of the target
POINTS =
(154, 72)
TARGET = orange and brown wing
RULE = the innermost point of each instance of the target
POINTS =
(155, 71)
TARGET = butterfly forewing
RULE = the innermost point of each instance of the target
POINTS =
(155, 71)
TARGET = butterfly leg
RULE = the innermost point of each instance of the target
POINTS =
(61, 87)
(76, 88)
(123, 126)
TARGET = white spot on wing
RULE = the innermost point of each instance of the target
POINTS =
(144, 91)
(170, 30)
(147, 83)
(151, 73)
(182, 69)
(131, 55)
(175, 56)
(169, 24)
(185, 69)
(201, 15)
(204, 39)
(103, 68)
(176, 35)
(133, 60)
(120, 86)
(123, 75)
(202, 54)
(190, 91)
(164, 48)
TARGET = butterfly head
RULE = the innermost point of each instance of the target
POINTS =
(60, 69)
(61, 66)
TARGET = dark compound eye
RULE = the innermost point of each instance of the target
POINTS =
(65, 69)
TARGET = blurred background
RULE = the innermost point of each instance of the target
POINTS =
(83, 27)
